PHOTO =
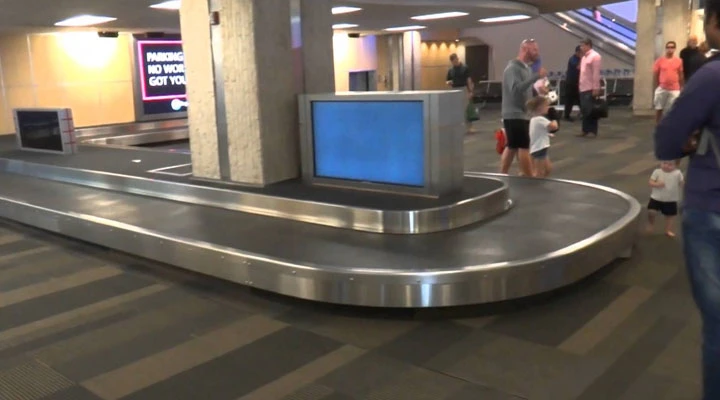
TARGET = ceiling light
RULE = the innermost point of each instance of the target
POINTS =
(404, 28)
(507, 18)
(84, 20)
(344, 10)
(167, 5)
(344, 26)
(451, 14)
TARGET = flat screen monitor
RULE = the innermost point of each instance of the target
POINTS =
(160, 78)
(380, 142)
(45, 130)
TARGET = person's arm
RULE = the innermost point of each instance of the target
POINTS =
(654, 182)
(681, 76)
(470, 84)
(656, 73)
(689, 113)
(520, 86)
(449, 77)
(596, 68)
(552, 126)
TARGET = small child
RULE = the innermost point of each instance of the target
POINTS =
(540, 134)
(666, 183)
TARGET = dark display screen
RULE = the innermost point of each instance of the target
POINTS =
(161, 65)
(40, 130)
(370, 141)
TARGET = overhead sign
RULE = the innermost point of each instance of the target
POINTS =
(161, 71)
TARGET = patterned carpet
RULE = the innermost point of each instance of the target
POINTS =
(78, 322)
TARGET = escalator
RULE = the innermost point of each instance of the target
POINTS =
(610, 33)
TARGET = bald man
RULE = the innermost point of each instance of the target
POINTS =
(517, 86)
(692, 57)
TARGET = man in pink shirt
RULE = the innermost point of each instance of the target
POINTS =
(590, 89)
(669, 79)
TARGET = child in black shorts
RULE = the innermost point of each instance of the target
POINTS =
(666, 183)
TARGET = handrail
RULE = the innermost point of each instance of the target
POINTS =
(618, 19)
(607, 23)
(592, 25)
(603, 41)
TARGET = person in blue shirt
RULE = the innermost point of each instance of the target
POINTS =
(698, 110)
(536, 65)
(572, 82)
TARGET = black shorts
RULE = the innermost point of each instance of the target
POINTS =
(667, 208)
(517, 132)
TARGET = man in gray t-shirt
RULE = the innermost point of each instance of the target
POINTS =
(518, 80)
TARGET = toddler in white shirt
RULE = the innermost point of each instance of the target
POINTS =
(666, 183)
(540, 134)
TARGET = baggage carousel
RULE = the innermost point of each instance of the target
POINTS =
(502, 238)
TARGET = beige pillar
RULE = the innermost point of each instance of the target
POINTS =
(412, 53)
(676, 21)
(242, 87)
(200, 88)
(646, 28)
(316, 45)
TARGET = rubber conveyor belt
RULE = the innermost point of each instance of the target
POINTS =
(549, 219)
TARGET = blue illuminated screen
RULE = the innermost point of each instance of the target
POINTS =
(370, 141)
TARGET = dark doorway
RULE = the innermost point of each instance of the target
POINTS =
(477, 58)
(362, 81)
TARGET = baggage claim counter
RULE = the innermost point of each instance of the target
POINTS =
(384, 214)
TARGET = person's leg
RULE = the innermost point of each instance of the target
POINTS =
(652, 214)
(585, 111)
(575, 98)
(669, 225)
(593, 126)
(511, 140)
(570, 99)
(670, 210)
(506, 159)
(537, 167)
(523, 144)
(701, 238)
(548, 166)
(525, 164)
(670, 101)
(659, 100)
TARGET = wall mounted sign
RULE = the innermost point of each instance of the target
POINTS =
(161, 79)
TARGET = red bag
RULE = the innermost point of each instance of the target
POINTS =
(501, 142)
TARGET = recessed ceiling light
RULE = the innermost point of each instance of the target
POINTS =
(506, 18)
(167, 5)
(344, 26)
(451, 14)
(404, 28)
(344, 10)
(84, 20)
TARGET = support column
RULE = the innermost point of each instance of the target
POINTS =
(200, 77)
(241, 86)
(315, 45)
(411, 60)
(676, 21)
(646, 28)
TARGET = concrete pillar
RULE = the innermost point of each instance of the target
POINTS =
(242, 88)
(676, 21)
(411, 58)
(316, 70)
(646, 27)
(395, 48)
(199, 74)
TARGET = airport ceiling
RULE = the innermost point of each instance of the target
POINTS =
(135, 15)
